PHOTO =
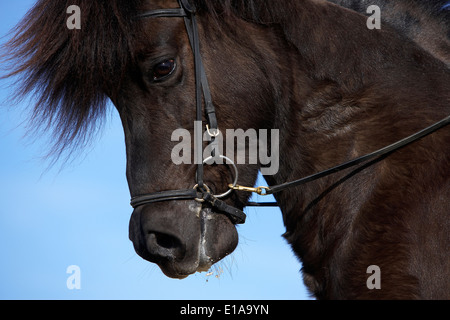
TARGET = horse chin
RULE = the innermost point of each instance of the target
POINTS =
(175, 272)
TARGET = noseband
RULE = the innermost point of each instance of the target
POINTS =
(201, 192)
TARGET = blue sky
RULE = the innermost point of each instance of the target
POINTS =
(78, 214)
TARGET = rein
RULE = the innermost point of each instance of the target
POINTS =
(201, 192)
(380, 152)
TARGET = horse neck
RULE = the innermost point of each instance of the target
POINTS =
(335, 43)
(352, 92)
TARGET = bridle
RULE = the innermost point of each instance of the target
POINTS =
(201, 192)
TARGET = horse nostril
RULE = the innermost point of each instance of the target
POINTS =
(164, 246)
(166, 241)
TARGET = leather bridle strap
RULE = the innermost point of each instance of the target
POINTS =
(200, 192)
(236, 216)
(189, 194)
(160, 13)
(187, 11)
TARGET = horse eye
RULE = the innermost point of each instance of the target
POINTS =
(163, 69)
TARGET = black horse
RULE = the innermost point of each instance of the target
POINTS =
(334, 89)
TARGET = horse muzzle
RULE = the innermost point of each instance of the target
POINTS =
(181, 238)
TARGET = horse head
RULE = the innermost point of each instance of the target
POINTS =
(158, 98)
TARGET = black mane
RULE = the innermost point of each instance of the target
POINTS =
(70, 72)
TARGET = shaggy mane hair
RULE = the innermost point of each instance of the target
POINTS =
(70, 72)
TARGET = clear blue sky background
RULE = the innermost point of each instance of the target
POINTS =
(78, 214)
